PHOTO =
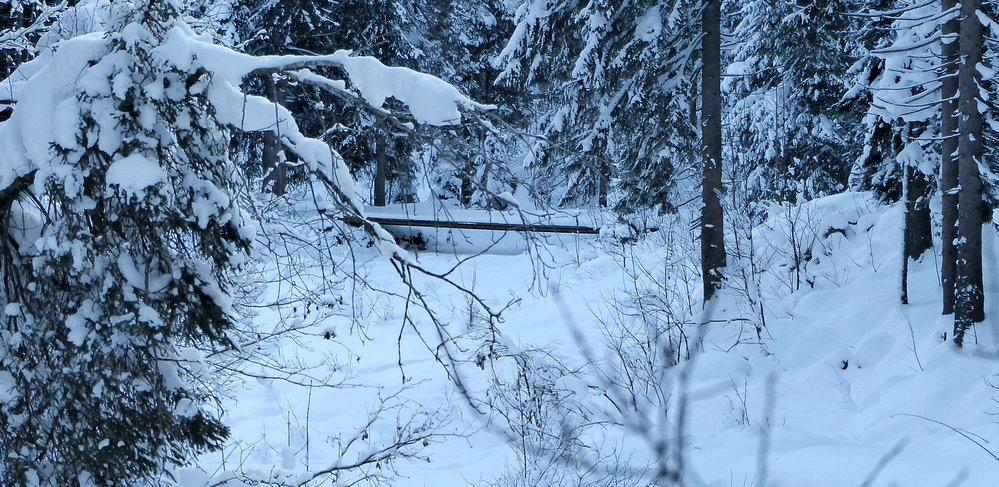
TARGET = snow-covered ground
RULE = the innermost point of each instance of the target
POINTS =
(847, 387)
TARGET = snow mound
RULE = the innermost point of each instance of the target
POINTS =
(133, 174)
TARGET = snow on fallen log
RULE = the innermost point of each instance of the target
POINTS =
(432, 227)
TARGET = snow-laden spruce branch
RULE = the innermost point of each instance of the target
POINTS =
(220, 72)
(19, 37)
(118, 145)
(878, 14)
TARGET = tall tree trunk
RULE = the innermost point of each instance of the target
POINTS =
(467, 173)
(917, 219)
(467, 184)
(275, 171)
(969, 302)
(917, 238)
(948, 148)
(603, 182)
(381, 168)
(712, 231)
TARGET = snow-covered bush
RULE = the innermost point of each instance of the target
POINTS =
(557, 428)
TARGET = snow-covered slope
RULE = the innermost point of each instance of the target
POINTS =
(857, 389)
(846, 387)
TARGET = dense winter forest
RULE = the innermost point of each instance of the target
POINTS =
(499, 243)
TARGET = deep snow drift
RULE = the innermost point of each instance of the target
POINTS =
(843, 385)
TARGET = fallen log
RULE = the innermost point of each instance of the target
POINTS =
(492, 226)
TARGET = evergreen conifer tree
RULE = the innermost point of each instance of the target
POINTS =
(969, 294)
(903, 119)
(615, 89)
(125, 232)
(788, 74)
(390, 30)
(464, 37)
(123, 239)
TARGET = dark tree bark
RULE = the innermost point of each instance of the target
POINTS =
(712, 232)
(381, 169)
(467, 173)
(948, 148)
(467, 184)
(275, 172)
(969, 298)
(11, 59)
(918, 238)
(603, 183)
(905, 273)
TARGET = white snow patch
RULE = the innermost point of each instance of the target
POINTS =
(8, 387)
(78, 330)
(135, 173)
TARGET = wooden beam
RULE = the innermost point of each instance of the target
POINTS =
(493, 226)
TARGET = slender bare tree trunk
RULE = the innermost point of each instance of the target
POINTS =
(918, 237)
(969, 297)
(467, 184)
(906, 172)
(275, 172)
(948, 148)
(916, 187)
(381, 168)
(603, 183)
(712, 231)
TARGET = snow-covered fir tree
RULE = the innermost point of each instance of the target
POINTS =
(389, 30)
(615, 89)
(900, 153)
(463, 38)
(124, 236)
(789, 135)
(908, 75)
(125, 232)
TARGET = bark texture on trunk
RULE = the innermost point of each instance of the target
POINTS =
(712, 231)
(603, 184)
(969, 302)
(275, 171)
(381, 169)
(948, 150)
(918, 238)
